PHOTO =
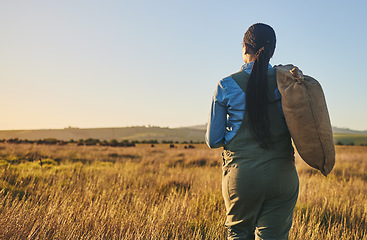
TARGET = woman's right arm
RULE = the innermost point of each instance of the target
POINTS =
(216, 128)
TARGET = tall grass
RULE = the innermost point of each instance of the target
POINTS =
(158, 193)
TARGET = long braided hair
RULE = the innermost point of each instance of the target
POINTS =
(260, 38)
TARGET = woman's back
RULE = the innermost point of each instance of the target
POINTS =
(244, 144)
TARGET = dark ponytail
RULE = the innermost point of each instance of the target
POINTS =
(260, 38)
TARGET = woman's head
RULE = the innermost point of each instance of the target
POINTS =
(260, 37)
(258, 46)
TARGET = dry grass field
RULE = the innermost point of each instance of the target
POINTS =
(144, 192)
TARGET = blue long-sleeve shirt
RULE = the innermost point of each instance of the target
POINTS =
(227, 110)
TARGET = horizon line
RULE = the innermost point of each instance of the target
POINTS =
(141, 126)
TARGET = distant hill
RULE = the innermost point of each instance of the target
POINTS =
(129, 133)
(198, 127)
(348, 131)
(192, 133)
(335, 129)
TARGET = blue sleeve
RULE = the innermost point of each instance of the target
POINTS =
(218, 118)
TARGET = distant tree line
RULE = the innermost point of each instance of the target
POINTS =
(95, 142)
(123, 143)
(80, 142)
(340, 143)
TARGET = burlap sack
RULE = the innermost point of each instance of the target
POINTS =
(307, 117)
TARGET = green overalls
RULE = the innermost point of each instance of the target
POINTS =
(260, 187)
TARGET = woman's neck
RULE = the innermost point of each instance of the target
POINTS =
(249, 57)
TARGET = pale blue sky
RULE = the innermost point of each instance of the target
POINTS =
(124, 63)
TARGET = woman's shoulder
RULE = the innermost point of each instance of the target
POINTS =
(227, 82)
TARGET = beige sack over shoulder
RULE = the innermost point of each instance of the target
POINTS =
(307, 117)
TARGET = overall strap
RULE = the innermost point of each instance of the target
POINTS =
(241, 78)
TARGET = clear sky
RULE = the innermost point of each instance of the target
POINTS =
(123, 63)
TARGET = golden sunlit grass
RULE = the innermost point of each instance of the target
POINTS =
(158, 193)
